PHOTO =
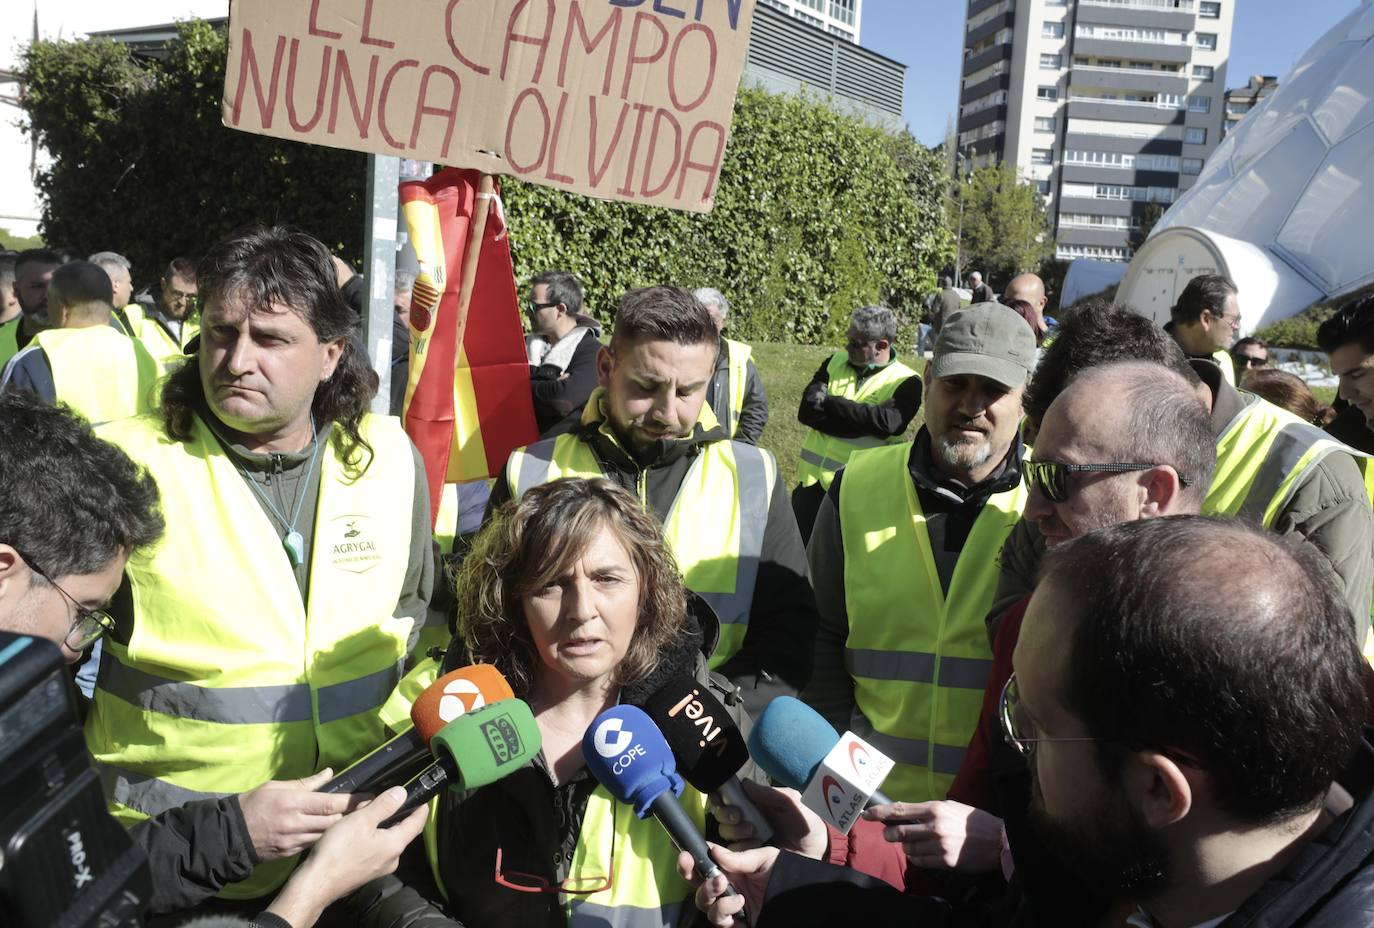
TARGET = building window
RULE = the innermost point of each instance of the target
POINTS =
(1043, 186)
(1047, 92)
(1052, 30)
(1207, 10)
(843, 11)
(1053, 62)
(1202, 72)
(1195, 136)
(1040, 156)
(1207, 41)
(1044, 124)
(1192, 165)
(1199, 104)
(1056, 2)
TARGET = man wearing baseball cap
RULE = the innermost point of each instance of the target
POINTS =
(904, 558)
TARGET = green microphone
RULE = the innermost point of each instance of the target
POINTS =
(477, 748)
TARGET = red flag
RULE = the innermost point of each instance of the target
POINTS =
(465, 408)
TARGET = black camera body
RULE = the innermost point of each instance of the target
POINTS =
(64, 860)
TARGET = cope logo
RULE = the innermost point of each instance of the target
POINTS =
(607, 746)
(834, 795)
(502, 738)
(461, 696)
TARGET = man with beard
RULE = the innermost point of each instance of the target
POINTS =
(1193, 738)
(32, 271)
(725, 516)
(904, 558)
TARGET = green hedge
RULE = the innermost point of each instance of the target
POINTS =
(1298, 331)
(816, 212)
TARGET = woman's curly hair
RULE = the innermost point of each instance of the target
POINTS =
(531, 541)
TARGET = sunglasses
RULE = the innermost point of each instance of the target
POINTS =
(1245, 360)
(534, 307)
(1052, 477)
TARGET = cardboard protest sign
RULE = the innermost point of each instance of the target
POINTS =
(622, 99)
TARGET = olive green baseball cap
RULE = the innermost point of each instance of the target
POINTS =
(987, 340)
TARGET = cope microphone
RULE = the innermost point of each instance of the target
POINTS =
(838, 777)
(708, 745)
(626, 753)
(479, 747)
(401, 758)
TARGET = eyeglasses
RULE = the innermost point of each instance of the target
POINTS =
(1052, 477)
(574, 885)
(1011, 731)
(534, 306)
(1249, 360)
(88, 625)
(1232, 321)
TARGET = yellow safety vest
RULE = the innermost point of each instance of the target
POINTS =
(822, 455)
(162, 345)
(716, 525)
(737, 369)
(919, 656)
(646, 891)
(228, 679)
(1228, 367)
(9, 340)
(101, 373)
(1262, 456)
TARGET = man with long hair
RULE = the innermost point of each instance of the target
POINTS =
(258, 639)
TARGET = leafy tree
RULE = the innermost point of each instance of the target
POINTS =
(1148, 217)
(1006, 229)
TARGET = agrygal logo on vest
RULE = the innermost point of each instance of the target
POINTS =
(352, 545)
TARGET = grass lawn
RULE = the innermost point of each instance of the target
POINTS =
(786, 370)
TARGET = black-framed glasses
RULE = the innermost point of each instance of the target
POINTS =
(1052, 477)
(1011, 731)
(88, 625)
(534, 306)
(1249, 360)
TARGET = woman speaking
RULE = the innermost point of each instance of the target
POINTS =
(571, 593)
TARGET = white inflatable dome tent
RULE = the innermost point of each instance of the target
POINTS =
(1285, 205)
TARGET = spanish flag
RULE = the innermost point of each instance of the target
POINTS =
(466, 406)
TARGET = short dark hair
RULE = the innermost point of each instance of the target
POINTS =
(1163, 422)
(81, 282)
(184, 268)
(669, 314)
(1099, 333)
(39, 256)
(1248, 342)
(74, 501)
(1204, 292)
(1254, 672)
(1353, 322)
(278, 265)
(563, 288)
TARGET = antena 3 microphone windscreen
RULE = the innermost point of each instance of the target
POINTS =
(708, 745)
(789, 741)
(455, 693)
(626, 753)
(489, 743)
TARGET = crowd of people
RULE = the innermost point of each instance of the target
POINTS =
(1104, 611)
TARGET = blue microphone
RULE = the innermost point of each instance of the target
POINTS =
(791, 741)
(629, 756)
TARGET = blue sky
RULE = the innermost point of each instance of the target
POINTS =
(1268, 37)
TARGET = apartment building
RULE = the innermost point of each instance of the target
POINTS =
(1241, 100)
(1105, 105)
(837, 17)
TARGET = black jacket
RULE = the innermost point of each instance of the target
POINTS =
(534, 822)
(560, 393)
(842, 418)
(775, 659)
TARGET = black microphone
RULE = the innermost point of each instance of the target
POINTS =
(708, 745)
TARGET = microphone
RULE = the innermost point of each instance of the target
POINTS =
(838, 776)
(626, 753)
(400, 758)
(708, 745)
(475, 749)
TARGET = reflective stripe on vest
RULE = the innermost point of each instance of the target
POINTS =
(228, 679)
(737, 375)
(822, 455)
(100, 372)
(919, 656)
(718, 553)
(1262, 456)
(646, 891)
(9, 340)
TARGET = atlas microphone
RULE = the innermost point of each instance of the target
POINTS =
(838, 777)
(708, 745)
(626, 753)
(479, 747)
(405, 755)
